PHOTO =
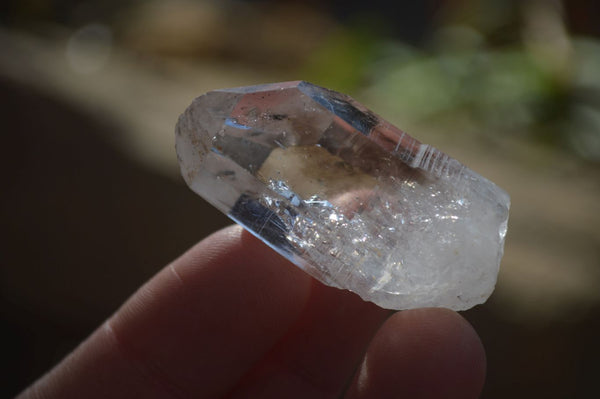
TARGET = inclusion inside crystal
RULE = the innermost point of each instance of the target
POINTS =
(346, 196)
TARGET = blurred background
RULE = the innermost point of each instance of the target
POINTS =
(92, 204)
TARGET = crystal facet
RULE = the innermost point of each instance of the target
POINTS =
(346, 196)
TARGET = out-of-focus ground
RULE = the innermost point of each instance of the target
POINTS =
(92, 204)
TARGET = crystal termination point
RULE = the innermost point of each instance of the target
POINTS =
(349, 198)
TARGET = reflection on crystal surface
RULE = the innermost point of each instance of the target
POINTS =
(346, 196)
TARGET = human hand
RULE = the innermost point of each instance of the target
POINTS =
(233, 319)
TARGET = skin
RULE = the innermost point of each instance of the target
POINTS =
(232, 319)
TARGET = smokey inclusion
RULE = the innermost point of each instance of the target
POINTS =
(352, 200)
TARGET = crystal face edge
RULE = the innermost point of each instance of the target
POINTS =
(346, 196)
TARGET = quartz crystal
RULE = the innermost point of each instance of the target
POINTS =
(349, 198)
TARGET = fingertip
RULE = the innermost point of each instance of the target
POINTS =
(235, 251)
(422, 353)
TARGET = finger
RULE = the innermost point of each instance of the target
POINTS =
(319, 355)
(193, 330)
(425, 353)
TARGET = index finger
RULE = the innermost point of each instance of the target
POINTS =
(193, 330)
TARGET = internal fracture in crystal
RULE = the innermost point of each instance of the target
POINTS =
(349, 198)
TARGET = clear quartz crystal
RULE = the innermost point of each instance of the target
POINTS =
(346, 196)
